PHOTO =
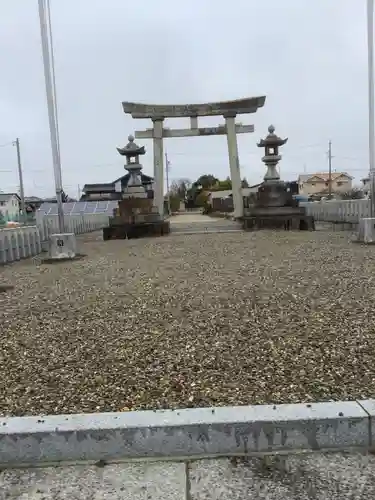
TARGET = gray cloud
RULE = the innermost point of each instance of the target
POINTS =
(308, 58)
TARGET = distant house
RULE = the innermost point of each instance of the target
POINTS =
(10, 205)
(113, 190)
(318, 183)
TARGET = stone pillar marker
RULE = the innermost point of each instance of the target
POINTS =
(234, 164)
(158, 165)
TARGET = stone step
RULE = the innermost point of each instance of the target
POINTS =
(202, 228)
(217, 231)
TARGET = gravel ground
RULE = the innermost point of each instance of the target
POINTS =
(197, 320)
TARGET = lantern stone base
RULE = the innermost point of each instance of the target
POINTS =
(287, 218)
(122, 231)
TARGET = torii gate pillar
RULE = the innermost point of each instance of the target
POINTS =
(157, 137)
(234, 164)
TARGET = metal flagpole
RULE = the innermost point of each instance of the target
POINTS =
(51, 112)
(371, 117)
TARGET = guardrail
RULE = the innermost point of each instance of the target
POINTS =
(27, 241)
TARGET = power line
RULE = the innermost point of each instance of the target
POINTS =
(309, 146)
(349, 158)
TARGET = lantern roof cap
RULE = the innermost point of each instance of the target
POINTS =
(272, 139)
(131, 149)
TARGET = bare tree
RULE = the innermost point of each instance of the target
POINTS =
(180, 187)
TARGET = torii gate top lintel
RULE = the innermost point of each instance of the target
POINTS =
(160, 111)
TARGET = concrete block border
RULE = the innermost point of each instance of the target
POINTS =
(196, 432)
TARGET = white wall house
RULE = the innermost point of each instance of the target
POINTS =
(10, 205)
(318, 183)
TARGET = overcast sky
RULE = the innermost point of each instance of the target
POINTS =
(308, 57)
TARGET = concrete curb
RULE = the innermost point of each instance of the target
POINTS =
(197, 432)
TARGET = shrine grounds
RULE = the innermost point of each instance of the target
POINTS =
(187, 321)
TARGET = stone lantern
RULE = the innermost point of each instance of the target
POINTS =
(275, 207)
(134, 187)
(271, 156)
(136, 215)
(273, 192)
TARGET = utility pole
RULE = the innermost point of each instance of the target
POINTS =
(329, 170)
(20, 177)
(167, 163)
(48, 64)
(79, 192)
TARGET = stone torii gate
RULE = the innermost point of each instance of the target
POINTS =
(228, 109)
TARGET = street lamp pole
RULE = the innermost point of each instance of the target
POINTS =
(371, 109)
(52, 118)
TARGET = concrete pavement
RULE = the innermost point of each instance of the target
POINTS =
(328, 476)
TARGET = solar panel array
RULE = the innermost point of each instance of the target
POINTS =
(81, 207)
